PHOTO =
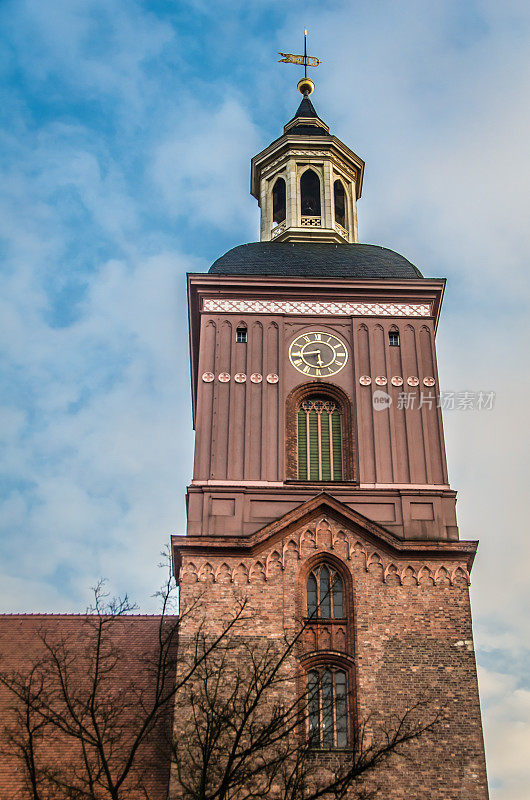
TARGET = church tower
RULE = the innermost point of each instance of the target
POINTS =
(320, 461)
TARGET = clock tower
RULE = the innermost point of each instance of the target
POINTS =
(319, 450)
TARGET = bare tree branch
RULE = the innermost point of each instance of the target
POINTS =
(234, 703)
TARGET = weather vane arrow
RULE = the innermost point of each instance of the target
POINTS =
(305, 60)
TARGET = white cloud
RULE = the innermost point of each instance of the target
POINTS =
(97, 47)
(96, 495)
(202, 166)
(507, 731)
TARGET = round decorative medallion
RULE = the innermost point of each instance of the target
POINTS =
(318, 354)
(381, 380)
(256, 377)
(429, 381)
(272, 378)
(240, 377)
(365, 380)
(208, 377)
(397, 380)
(413, 380)
(224, 377)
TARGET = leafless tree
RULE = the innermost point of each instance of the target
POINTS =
(79, 725)
(229, 710)
(241, 729)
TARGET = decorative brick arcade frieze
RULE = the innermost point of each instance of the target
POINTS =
(314, 308)
(320, 538)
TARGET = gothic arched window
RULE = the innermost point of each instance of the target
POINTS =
(310, 194)
(278, 201)
(327, 716)
(340, 203)
(319, 440)
(325, 593)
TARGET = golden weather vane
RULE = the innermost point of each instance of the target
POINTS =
(306, 85)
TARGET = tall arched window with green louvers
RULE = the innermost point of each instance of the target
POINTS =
(319, 440)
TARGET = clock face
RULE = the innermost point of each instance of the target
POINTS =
(318, 354)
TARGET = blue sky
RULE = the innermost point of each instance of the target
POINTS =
(126, 131)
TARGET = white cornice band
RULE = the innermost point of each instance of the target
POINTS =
(310, 308)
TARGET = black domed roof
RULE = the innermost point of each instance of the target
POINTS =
(315, 260)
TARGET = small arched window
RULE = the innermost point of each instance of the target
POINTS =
(327, 716)
(310, 194)
(278, 201)
(319, 440)
(340, 203)
(325, 593)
